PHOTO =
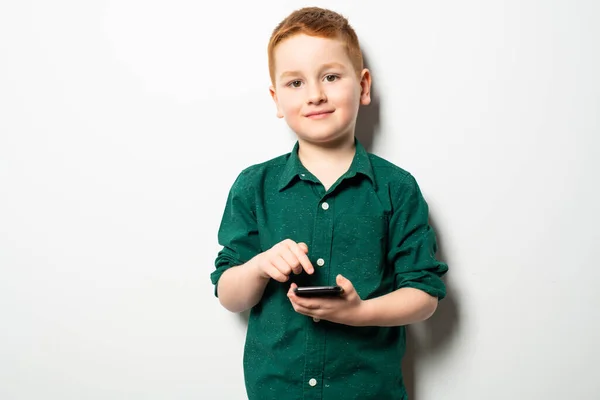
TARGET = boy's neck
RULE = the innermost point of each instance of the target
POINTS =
(327, 163)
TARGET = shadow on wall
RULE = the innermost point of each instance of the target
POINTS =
(436, 332)
(367, 123)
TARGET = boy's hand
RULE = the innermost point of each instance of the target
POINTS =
(345, 309)
(282, 259)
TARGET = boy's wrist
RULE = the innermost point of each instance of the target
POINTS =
(254, 267)
(365, 313)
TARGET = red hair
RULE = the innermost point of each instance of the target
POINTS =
(319, 22)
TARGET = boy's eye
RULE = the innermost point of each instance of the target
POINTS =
(295, 84)
(331, 78)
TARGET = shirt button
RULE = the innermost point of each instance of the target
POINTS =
(325, 206)
(320, 262)
(312, 382)
(316, 319)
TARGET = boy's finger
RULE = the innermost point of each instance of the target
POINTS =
(344, 283)
(280, 263)
(303, 258)
(308, 304)
(291, 259)
(297, 268)
(291, 292)
(276, 274)
(303, 247)
(304, 261)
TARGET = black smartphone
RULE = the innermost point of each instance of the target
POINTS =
(316, 291)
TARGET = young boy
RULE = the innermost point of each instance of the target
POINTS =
(327, 213)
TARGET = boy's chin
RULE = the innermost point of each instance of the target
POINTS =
(326, 139)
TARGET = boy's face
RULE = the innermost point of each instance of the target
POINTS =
(316, 88)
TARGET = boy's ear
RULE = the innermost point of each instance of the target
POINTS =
(365, 87)
(274, 96)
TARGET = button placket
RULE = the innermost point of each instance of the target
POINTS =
(325, 207)
(320, 250)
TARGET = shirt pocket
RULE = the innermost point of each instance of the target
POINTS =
(359, 250)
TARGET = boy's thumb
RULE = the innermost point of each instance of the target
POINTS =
(304, 247)
(344, 283)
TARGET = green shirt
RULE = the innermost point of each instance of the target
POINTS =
(372, 227)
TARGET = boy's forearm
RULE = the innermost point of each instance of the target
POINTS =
(401, 307)
(241, 288)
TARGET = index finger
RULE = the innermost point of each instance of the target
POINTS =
(302, 258)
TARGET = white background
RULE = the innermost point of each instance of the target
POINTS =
(124, 123)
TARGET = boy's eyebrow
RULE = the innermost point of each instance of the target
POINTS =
(333, 65)
(324, 66)
(289, 73)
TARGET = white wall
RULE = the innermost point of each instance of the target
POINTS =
(123, 124)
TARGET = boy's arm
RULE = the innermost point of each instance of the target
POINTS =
(237, 284)
(412, 251)
(401, 307)
(241, 288)
(243, 270)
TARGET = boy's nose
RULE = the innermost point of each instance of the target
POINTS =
(316, 94)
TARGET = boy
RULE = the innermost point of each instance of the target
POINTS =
(327, 213)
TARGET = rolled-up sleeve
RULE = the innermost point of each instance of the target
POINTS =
(412, 242)
(238, 232)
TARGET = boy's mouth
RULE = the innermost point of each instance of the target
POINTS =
(319, 114)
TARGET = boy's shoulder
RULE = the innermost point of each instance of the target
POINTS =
(257, 173)
(380, 162)
(386, 170)
(260, 168)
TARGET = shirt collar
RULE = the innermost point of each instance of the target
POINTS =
(361, 164)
